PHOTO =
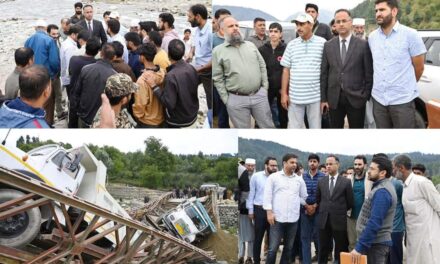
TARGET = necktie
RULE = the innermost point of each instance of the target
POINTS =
(343, 51)
(332, 185)
(90, 27)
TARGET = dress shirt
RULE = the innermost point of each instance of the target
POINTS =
(203, 45)
(256, 192)
(283, 195)
(334, 181)
(394, 80)
(69, 49)
(347, 43)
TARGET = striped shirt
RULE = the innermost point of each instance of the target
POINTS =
(303, 58)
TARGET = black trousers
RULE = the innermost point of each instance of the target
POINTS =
(325, 237)
(261, 226)
(355, 116)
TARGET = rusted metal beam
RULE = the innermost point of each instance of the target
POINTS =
(14, 254)
(23, 208)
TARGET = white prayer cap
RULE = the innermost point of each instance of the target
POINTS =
(134, 23)
(358, 22)
(114, 14)
(41, 23)
(250, 161)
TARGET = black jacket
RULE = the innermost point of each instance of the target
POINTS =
(179, 96)
(98, 29)
(89, 87)
(243, 187)
(272, 58)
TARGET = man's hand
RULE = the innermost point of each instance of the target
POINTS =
(108, 119)
(251, 216)
(285, 101)
(270, 217)
(324, 107)
(151, 80)
(355, 257)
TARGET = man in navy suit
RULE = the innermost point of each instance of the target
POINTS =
(93, 26)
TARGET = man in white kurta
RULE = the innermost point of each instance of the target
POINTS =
(421, 203)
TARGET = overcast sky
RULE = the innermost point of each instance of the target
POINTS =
(352, 142)
(184, 141)
(281, 9)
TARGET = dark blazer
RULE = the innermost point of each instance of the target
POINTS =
(355, 76)
(336, 206)
(98, 29)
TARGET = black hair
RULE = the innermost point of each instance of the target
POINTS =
(176, 49)
(148, 51)
(313, 156)
(74, 29)
(23, 56)
(33, 81)
(266, 161)
(402, 160)
(258, 19)
(114, 25)
(380, 155)
(187, 30)
(383, 164)
(106, 13)
(50, 27)
(333, 156)
(343, 10)
(289, 156)
(419, 167)
(321, 166)
(362, 157)
(391, 3)
(134, 38)
(332, 22)
(108, 51)
(87, 5)
(67, 20)
(148, 26)
(199, 9)
(93, 46)
(119, 48)
(310, 5)
(277, 26)
(78, 4)
(84, 35)
(114, 100)
(155, 37)
(221, 11)
(168, 18)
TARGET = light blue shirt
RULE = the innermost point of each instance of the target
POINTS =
(394, 80)
(203, 45)
(303, 58)
(256, 191)
(283, 195)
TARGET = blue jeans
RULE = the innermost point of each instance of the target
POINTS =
(309, 233)
(287, 232)
(396, 251)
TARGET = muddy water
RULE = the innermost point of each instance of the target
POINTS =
(19, 16)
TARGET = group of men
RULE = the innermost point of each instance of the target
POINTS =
(141, 70)
(336, 73)
(368, 212)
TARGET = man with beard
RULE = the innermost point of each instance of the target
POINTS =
(309, 214)
(346, 75)
(78, 16)
(375, 222)
(65, 25)
(398, 58)
(134, 42)
(361, 188)
(202, 50)
(255, 204)
(145, 28)
(272, 52)
(166, 25)
(319, 29)
(93, 26)
(113, 31)
(421, 203)
(333, 28)
(245, 226)
(260, 37)
(300, 87)
(284, 192)
(119, 88)
(359, 28)
(240, 76)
